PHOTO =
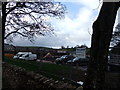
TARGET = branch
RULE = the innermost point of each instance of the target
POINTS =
(10, 34)
(22, 34)
(36, 25)
(10, 10)
(18, 4)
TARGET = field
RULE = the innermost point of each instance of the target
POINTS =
(50, 70)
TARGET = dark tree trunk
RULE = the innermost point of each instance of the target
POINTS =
(4, 15)
(102, 33)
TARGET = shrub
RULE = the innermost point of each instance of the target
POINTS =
(9, 55)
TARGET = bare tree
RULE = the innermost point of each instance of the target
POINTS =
(102, 34)
(29, 19)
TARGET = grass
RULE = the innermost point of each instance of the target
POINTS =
(38, 66)
(50, 70)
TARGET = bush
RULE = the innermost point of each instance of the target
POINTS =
(9, 55)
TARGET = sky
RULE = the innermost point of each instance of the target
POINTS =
(74, 29)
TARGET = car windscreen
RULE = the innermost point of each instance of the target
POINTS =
(76, 59)
(25, 55)
(63, 56)
(19, 55)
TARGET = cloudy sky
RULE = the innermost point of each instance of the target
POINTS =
(74, 29)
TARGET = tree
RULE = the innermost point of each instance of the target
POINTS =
(62, 47)
(28, 19)
(116, 35)
(102, 33)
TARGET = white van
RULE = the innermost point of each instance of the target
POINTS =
(28, 57)
(19, 54)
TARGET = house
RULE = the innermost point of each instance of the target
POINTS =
(9, 48)
(114, 60)
(115, 55)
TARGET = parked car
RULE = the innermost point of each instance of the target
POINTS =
(19, 54)
(64, 59)
(78, 60)
(28, 57)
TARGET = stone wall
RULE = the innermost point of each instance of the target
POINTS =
(18, 77)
